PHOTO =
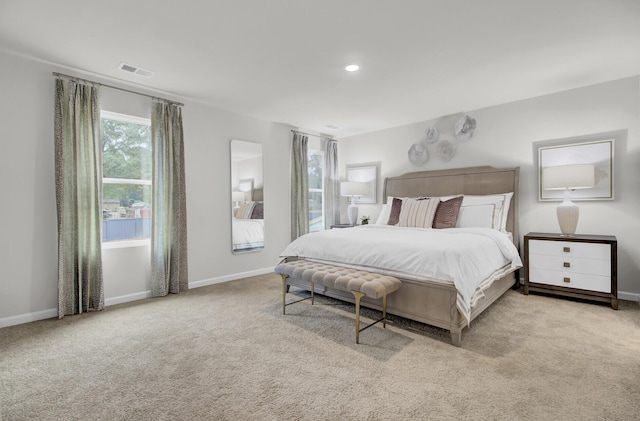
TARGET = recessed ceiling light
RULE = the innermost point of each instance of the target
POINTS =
(352, 68)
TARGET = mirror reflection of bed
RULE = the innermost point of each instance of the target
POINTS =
(247, 197)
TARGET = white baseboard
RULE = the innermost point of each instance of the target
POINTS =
(232, 277)
(28, 317)
(628, 296)
(53, 312)
(127, 298)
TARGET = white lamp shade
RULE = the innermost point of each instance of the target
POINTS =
(237, 196)
(353, 188)
(578, 176)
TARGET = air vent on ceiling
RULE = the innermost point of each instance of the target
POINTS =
(135, 70)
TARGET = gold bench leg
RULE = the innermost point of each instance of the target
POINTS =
(384, 311)
(357, 295)
(284, 291)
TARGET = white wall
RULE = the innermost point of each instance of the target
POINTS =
(505, 137)
(207, 136)
(28, 250)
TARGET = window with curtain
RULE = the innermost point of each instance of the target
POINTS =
(126, 164)
(315, 167)
(140, 164)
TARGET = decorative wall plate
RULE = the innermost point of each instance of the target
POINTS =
(446, 150)
(418, 154)
(464, 128)
(432, 135)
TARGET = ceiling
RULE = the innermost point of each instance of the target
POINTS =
(283, 60)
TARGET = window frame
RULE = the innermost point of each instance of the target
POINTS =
(132, 242)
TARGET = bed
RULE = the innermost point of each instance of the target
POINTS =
(429, 294)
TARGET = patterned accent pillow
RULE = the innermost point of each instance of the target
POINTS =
(447, 213)
(396, 207)
(418, 212)
(245, 210)
(258, 211)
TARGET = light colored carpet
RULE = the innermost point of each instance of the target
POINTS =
(225, 352)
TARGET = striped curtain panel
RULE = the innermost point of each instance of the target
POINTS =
(169, 210)
(78, 176)
(331, 184)
(299, 186)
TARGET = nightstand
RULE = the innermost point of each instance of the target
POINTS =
(579, 266)
(342, 226)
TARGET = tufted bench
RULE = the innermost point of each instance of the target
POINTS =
(359, 283)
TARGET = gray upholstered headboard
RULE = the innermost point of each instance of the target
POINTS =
(471, 180)
(257, 195)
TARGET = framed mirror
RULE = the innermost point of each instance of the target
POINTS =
(247, 198)
(369, 174)
(598, 152)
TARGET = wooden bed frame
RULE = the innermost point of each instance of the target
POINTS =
(433, 303)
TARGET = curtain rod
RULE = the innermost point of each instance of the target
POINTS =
(60, 75)
(314, 135)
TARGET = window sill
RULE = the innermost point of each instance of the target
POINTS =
(125, 244)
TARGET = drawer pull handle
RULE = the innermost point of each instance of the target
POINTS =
(567, 280)
(566, 249)
(567, 264)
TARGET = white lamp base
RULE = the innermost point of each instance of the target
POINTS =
(352, 211)
(568, 213)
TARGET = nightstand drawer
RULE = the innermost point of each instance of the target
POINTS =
(570, 280)
(568, 264)
(567, 248)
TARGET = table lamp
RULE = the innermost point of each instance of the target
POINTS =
(568, 178)
(236, 198)
(353, 189)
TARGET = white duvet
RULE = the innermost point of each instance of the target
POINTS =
(247, 233)
(469, 258)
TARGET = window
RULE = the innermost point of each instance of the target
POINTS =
(126, 183)
(315, 165)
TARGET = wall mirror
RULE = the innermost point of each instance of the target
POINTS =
(247, 198)
(369, 174)
(598, 152)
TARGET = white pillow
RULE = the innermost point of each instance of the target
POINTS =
(383, 218)
(501, 201)
(472, 216)
(385, 213)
